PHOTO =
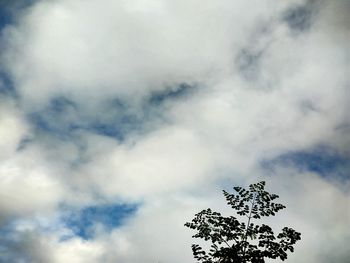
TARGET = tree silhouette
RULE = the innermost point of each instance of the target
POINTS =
(234, 241)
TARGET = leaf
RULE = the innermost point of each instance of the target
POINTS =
(230, 237)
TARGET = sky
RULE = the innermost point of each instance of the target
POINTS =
(119, 120)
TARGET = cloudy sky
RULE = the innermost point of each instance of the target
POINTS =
(119, 120)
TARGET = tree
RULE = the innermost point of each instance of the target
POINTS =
(234, 241)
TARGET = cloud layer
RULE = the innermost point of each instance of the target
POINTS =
(163, 104)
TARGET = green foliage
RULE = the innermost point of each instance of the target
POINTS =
(234, 241)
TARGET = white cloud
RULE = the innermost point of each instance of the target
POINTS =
(12, 129)
(319, 209)
(27, 184)
(89, 51)
(150, 166)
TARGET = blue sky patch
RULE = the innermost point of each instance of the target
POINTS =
(172, 93)
(116, 118)
(63, 119)
(299, 18)
(5, 14)
(109, 216)
(8, 9)
(7, 88)
(11, 248)
(322, 160)
(56, 119)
